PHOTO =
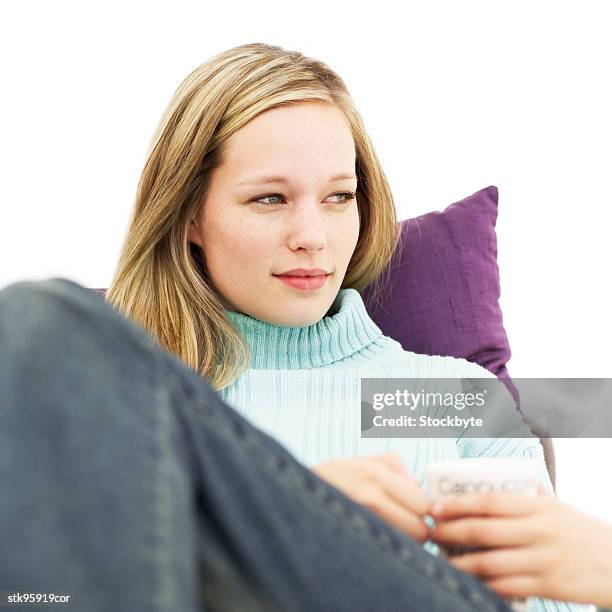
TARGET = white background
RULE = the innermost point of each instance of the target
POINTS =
(456, 96)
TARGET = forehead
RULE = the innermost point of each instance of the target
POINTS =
(307, 137)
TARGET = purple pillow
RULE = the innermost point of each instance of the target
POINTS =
(443, 290)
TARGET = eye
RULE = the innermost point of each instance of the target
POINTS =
(346, 196)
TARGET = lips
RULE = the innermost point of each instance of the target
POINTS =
(305, 283)
(301, 272)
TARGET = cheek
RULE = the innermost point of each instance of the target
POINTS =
(235, 246)
(350, 232)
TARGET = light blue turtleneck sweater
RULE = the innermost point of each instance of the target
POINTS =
(303, 387)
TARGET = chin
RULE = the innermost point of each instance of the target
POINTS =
(298, 319)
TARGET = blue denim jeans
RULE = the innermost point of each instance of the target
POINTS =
(128, 484)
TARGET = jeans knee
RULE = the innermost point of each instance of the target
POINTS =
(29, 290)
(54, 309)
(25, 302)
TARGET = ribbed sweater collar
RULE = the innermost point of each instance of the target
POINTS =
(330, 339)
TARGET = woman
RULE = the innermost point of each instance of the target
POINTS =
(261, 172)
(208, 270)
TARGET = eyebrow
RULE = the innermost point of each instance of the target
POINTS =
(281, 179)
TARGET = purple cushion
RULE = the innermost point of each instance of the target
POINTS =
(443, 291)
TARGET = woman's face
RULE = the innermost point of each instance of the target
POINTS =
(251, 230)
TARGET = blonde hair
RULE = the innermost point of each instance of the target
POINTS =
(160, 280)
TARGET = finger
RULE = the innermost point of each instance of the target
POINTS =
(404, 491)
(398, 517)
(485, 532)
(504, 504)
(394, 461)
(522, 585)
(499, 562)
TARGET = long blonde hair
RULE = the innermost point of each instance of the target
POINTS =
(160, 280)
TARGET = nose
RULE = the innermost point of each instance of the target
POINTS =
(307, 229)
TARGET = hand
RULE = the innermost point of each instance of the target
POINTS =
(542, 547)
(382, 484)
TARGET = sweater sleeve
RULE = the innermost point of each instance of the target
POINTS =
(528, 447)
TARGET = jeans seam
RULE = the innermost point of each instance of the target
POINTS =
(164, 585)
(234, 431)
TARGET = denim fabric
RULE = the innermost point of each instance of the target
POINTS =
(129, 484)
